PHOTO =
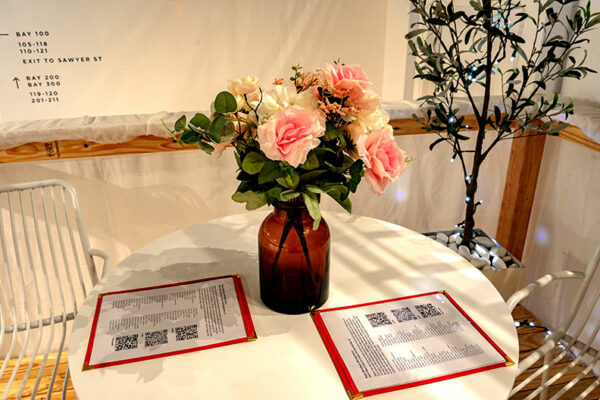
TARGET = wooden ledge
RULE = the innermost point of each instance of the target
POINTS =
(64, 149)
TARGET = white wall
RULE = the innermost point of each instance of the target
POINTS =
(176, 55)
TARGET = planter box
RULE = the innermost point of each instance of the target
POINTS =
(506, 281)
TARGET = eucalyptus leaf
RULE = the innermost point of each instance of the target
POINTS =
(180, 124)
(252, 199)
(201, 121)
(225, 103)
(253, 163)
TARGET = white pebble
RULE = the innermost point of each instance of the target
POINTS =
(464, 251)
(441, 241)
(484, 241)
(454, 236)
(482, 251)
(478, 262)
(498, 263)
(453, 247)
(513, 265)
(442, 237)
(498, 251)
(488, 268)
(458, 240)
(507, 258)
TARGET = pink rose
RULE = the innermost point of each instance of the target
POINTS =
(383, 159)
(290, 133)
(348, 78)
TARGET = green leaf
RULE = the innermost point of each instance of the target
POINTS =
(269, 173)
(311, 176)
(312, 205)
(216, 128)
(205, 147)
(201, 121)
(225, 103)
(290, 179)
(273, 194)
(252, 199)
(180, 124)
(312, 162)
(435, 143)
(414, 33)
(253, 162)
(188, 137)
(228, 131)
(288, 195)
(557, 128)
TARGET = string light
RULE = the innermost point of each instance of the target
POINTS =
(452, 119)
(468, 199)
(468, 178)
(531, 324)
(467, 127)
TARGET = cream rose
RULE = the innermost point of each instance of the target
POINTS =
(383, 159)
(242, 86)
(290, 133)
(366, 123)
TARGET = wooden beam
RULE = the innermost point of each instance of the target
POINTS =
(519, 191)
(575, 134)
(62, 149)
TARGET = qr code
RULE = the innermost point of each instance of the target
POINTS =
(428, 310)
(155, 338)
(378, 319)
(128, 342)
(186, 332)
(404, 314)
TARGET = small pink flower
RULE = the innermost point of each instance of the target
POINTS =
(383, 159)
(290, 133)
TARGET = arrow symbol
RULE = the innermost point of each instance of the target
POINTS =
(16, 80)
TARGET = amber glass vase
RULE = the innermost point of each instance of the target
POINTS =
(293, 259)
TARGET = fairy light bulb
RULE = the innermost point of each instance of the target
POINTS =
(452, 119)
(468, 178)
(468, 199)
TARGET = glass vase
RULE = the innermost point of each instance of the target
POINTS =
(293, 259)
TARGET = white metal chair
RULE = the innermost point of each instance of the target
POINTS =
(568, 339)
(46, 270)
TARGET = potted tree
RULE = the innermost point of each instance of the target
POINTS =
(464, 53)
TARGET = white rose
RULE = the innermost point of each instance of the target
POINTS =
(284, 96)
(240, 87)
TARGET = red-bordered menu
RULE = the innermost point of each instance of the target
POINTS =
(160, 321)
(404, 342)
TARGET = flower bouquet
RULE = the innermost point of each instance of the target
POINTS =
(317, 134)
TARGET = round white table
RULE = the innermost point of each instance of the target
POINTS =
(370, 260)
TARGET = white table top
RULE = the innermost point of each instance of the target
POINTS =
(370, 260)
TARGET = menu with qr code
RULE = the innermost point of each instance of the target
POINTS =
(400, 343)
(159, 321)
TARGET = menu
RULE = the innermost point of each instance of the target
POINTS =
(404, 342)
(159, 321)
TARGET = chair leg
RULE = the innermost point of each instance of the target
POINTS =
(545, 376)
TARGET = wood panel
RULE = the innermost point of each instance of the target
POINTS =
(519, 191)
(45, 381)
